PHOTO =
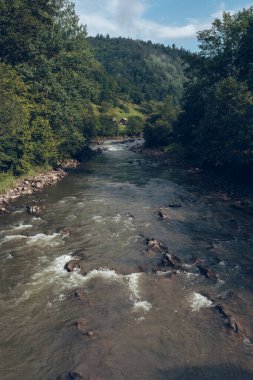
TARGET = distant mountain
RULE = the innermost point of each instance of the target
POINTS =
(141, 71)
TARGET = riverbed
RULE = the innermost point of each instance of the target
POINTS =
(118, 316)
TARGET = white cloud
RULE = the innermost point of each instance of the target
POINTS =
(127, 18)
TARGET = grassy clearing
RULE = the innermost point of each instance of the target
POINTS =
(124, 110)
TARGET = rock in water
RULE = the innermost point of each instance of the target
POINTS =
(72, 265)
(231, 320)
(175, 205)
(34, 210)
(171, 261)
(209, 273)
(162, 214)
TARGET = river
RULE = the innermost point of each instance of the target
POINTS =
(135, 322)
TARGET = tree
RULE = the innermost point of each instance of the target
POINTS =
(225, 133)
(15, 134)
(215, 125)
(134, 126)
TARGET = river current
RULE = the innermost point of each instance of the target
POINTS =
(135, 322)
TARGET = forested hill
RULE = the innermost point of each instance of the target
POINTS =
(141, 71)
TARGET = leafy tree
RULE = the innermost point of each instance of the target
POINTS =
(134, 126)
(225, 133)
(215, 125)
(15, 134)
(158, 130)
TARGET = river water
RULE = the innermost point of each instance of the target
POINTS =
(142, 323)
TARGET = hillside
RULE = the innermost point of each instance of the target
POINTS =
(141, 71)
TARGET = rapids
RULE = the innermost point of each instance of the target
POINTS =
(147, 325)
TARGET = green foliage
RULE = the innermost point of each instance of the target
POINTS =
(15, 134)
(140, 71)
(158, 130)
(134, 126)
(48, 78)
(216, 123)
(107, 126)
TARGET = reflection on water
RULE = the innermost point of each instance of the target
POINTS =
(145, 324)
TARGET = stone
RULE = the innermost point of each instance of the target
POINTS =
(171, 261)
(80, 294)
(209, 273)
(231, 320)
(175, 205)
(162, 214)
(34, 210)
(64, 232)
(72, 266)
(82, 325)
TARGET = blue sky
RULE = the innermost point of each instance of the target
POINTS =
(163, 21)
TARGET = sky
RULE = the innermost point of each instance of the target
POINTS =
(161, 21)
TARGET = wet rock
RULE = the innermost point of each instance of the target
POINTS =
(175, 205)
(76, 375)
(34, 210)
(69, 164)
(231, 320)
(82, 325)
(209, 273)
(162, 214)
(64, 232)
(156, 245)
(170, 260)
(72, 266)
(80, 294)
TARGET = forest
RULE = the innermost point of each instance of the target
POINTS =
(60, 89)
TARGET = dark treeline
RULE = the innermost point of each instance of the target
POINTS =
(48, 80)
(215, 125)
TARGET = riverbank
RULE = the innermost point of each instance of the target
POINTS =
(30, 184)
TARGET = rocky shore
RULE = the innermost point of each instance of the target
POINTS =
(32, 184)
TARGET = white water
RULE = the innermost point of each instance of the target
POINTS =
(198, 301)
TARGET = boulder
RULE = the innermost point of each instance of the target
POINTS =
(162, 214)
(82, 325)
(80, 294)
(34, 210)
(64, 232)
(175, 205)
(171, 260)
(72, 266)
(75, 375)
(209, 273)
(231, 320)
(156, 245)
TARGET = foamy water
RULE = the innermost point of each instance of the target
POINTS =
(55, 274)
(38, 239)
(43, 239)
(198, 301)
